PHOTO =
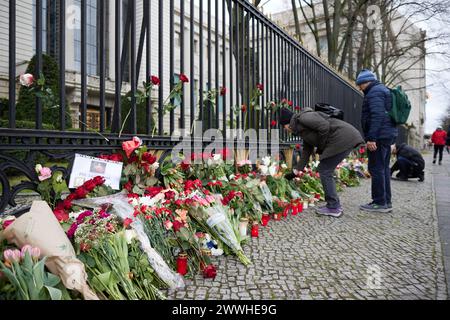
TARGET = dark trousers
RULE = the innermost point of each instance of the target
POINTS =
(440, 150)
(379, 169)
(407, 168)
(326, 169)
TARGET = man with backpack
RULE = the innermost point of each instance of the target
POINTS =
(380, 132)
(334, 140)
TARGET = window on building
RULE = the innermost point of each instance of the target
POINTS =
(44, 25)
(91, 39)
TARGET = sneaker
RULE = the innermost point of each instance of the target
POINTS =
(399, 178)
(324, 211)
(373, 207)
(389, 205)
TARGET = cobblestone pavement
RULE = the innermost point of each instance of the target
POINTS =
(359, 256)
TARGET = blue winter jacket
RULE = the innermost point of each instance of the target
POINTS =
(375, 120)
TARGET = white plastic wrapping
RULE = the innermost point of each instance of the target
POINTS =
(267, 195)
(124, 210)
(218, 221)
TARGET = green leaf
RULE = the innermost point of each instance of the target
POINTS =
(55, 294)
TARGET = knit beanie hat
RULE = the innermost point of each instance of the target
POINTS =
(285, 116)
(365, 76)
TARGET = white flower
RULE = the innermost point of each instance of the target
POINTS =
(266, 161)
(273, 170)
(74, 215)
(26, 79)
(216, 252)
(284, 166)
(232, 176)
(264, 170)
(155, 166)
(38, 168)
(217, 157)
(130, 235)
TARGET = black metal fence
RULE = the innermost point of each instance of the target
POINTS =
(220, 44)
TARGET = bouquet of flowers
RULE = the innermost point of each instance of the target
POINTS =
(26, 272)
(140, 168)
(211, 216)
(103, 247)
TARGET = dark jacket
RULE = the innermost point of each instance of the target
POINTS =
(411, 154)
(375, 120)
(329, 135)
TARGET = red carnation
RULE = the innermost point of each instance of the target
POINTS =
(273, 123)
(67, 204)
(184, 78)
(154, 191)
(223, 91)
(170, 195)
(127, 222)
(61, 215)
(155, 80)
(177, 225)
(260, 86)
(70, 197)
(71, 232)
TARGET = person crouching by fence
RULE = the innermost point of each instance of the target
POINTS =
(410, 163)
(334, 140)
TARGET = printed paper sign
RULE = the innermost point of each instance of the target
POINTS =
(85, 168)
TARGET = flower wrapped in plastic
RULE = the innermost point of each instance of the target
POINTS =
(40, 228)
(123, 209)
(212, 216)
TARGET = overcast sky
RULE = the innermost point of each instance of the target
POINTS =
(439, 95)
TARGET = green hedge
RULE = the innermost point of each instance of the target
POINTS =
(21, 124)
(26, 104)
(141, 114)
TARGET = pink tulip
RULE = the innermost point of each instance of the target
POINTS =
(35, 253)
(12, 255)
(26, 79)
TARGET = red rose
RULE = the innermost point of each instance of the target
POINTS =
(153, 191)
(362, 150)
(185, 166)
(155, 80)
(128, 186)
(90, 185)
(116, 157)
(298, 146)
(260, 87)
(149, 158)
(297, 108)
(130, 146)
(273, 123)
(133, 159)
(61, 215)
(290, 103)
(210, 272)
(81, 193)
(99, 180)
(184, 78)
(67, 204)
(244, 108)
(223, 91)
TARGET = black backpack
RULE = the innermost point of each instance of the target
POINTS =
(330, 110)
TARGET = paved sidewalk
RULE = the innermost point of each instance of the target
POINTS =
(360, 256)
(441, 179)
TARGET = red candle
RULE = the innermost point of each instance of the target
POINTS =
(265, 220)
(255, 231)
(182, 264)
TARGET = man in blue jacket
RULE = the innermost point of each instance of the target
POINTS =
(380, 133)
